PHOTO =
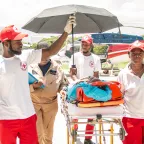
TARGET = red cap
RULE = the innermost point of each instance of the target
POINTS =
(88, 39)
(137, 44)
(11, 33)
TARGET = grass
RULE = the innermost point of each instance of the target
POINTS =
(119, 65)
(65, 66)
(122, 65)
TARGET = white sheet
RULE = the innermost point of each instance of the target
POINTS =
(113, 111)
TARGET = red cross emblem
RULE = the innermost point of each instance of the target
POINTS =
(23, 65)
(86, 38)
(91, 64)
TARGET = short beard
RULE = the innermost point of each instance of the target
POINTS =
(85, 52)
(13, 52)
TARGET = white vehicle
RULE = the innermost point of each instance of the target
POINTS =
(65, 53)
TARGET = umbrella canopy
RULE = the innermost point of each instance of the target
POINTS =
(89, 20)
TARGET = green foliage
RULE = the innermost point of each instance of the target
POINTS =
(75, 39)
(122, 65)
(52, 39)
(49, 40)
(143, 36)
(100, 49)
(34, 45)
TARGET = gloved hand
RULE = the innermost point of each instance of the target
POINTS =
(68, 27)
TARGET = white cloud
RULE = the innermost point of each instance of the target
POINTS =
(18, 12)
(135, 5)
(129, 12)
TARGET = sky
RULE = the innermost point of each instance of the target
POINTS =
(18, 12)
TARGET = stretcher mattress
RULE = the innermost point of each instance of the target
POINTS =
(101, 104)
(118, 110)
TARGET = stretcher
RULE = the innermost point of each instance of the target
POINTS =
(102, 116)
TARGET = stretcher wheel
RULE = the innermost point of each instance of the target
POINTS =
(99, 116)
(122, 134)
(74, 135)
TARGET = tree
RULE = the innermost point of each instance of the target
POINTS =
(100, 49)
(143, 36)
(52, 39)
(34, 45)
(49, 40)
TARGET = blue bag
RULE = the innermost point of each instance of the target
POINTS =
(94, 92)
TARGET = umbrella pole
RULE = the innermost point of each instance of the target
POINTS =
(73, 43)
(73, 67)
(73, 64)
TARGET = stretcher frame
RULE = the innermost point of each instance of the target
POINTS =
(98, 121)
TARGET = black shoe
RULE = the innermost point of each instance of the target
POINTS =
(88, 141)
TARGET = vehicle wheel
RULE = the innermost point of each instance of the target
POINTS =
(122, 134)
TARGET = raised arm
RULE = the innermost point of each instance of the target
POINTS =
(56, 46)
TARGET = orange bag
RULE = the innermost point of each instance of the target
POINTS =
(81, 97)
(113, 85)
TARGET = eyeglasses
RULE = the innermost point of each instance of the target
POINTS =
(137, 54)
